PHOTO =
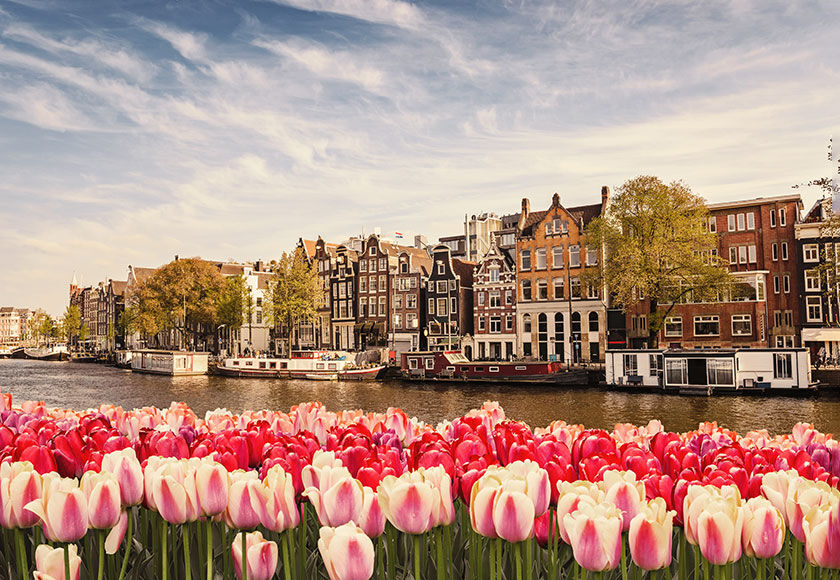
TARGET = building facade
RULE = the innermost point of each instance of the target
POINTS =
(558, 316)
(343, 287)
(449, 302)
(324, 260)
(408, 295)
(494, 304)
(11, 330)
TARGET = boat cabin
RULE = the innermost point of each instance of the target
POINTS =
(170, 362)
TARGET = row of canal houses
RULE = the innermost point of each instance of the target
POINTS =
(512, 287)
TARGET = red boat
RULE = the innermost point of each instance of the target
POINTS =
(454, 366)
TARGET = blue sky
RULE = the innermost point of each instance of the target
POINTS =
(134, 131)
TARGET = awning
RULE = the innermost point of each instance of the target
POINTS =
(821, 335)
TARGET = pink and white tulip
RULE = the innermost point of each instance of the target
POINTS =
(763, 534)
(49, 563)
(19, 485)
(595, 535)
(650, 535)
(260, 557)
(347, 552)
(129, 473)
(62, 509)
(103, 498)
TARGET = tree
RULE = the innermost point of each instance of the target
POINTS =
(657, 244)
(182, 296)
(233, 303)
(72, 322)
(294, 293)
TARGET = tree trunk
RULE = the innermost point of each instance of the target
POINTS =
(653, 333)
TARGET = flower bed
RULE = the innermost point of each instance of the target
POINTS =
(162, 493)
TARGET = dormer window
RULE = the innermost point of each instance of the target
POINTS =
(404, 267)
(372, 251)
(440, 267)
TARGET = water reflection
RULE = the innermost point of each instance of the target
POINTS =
(82, 386)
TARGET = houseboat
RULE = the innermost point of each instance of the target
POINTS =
(303, 364)
(454, 366)
(123, 359)
(707, 371)
(56, 352)
(170, 362)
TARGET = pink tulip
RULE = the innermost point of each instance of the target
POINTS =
(338, 498)
(19, 485)
(282, 511)
(595, 535)
(802, 496)
(694, 504)
(103, 499)
(347, 552)
(117, 534)
(409, 502)
(822, 535)
(650, 535)
(212, 486)
(261, 556)
(622, 490)
(764, 529)
(125, 466)
(513, 515)
(247, 501)
(49, 563)
(570, 497)
(776, 485)
(719, 530)
(371, 518)
(62, 509)
(537, 483)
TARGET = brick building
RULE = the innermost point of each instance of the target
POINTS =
(494, 304)
(559, 317)
(449, 299)
(343, 286)
(408, 299)
(324, 259)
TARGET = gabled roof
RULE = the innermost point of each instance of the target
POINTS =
(118, 286)
(142, 274)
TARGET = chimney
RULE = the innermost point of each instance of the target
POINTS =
(605, 196)
(176, 257)
(555, 199)
(526, 209)
(258, 266)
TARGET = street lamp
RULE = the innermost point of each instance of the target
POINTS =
(218, 336)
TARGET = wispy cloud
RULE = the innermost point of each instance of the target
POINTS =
(390, 12)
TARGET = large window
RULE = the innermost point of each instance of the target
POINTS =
(673, 326)
(591, 257)
(631, 365)
(525, 256)
(495, 324)
(383, 306)
(411, 300)
(782, 365)
(541, 259)
(593, 322)
(557, 257)
(574, 256)
(494, 274)
(526, 289)
(480, 300)
(495, 299)
(441, 307)
(575, 287)
(526, 324)
(812, 280)
(542, 289)
(811, 253)
(558, 288)
(676, 371)
(741, 325)
(720, 372)
(706, 326)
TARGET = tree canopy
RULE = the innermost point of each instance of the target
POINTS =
(294, 293)
(657, 245)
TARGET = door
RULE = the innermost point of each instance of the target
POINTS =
(697, 371)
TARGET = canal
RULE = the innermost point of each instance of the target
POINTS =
(81, 386)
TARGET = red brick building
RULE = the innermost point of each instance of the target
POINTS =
(494, 305)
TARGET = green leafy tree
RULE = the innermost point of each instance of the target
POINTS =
(72, 322)
(182, 296)
(294, 294)
(84, 332)
(656, 243)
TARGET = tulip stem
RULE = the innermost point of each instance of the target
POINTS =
(682, 556)
(287, 554)
(187, 562)
(208, 533)
(492, 560)
(100, 569)
(623, 561)
(67, 560)
(128, 543)
(380, 558)
(438, 533)
(417, 541)
(529, 558)
(392, 551)
(244, 556)
(759, 569)
(499, 558)
(164, 555)
(517, 551)
(21, 554)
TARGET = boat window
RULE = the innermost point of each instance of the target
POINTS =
(479, 369)
(631, 365)
(319, 366)
(412, 363)
(249, 363)
(782, 365)
(272, 365)
(520, 367)
(451, 369)
(331, 366)
(284, 365)
(493, 369)
(719, 372)
(430, 363)
(262, 365)
(676, 371)
(236, 363)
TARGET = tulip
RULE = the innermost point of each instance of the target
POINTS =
(650, 535)
(62, 509)
(622, 490)
(125, 466)
(764, 529)
(347, 552)
(569, 499)
(103, 499)
(281, 507)
(212, 485)
(776, 485)
(117, 534)
(260, 556)
(247, 501)
(595, 534)
(19, 485)
(411, 502)
(338, 498)
(822, 535)
(537, 485)
(371, 518)
(719, 530)
(694, 504)
(513, 515)
(49, 563)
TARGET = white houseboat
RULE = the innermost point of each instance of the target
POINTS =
(705, 371)
(303, 364)
(169, 362)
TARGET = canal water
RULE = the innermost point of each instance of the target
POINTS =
(81, 386)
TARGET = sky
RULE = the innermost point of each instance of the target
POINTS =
(134, 131)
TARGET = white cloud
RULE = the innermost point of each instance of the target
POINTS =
(191, 46)
(390, 12)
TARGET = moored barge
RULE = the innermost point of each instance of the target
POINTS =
(454, 366)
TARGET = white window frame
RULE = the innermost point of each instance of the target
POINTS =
(742, 224)
(557, 252)
(814, 302)
(733, 255)
(811, 253)
(774, 251)
(742, 318)
(772, 218)
(442, 311)
(673, 326)
(742, 254)
(704, 319)
(751, 220)
(782, 365)
(751, 254)
(541, 262)
(784, 251)
(730, 220)
(782, 217)
(713, 225)
(812, 280)
(786, 283)
(525, 256)
(574, 256)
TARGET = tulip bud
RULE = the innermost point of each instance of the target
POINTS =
(650, 535)
(347, 552)
(103, 498)
(261, 556)
(764, 529)
(595, 534)
(49, 563)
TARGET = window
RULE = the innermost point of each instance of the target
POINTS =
(786, 283)
(654, 364)
(508, 239)
(782, 365)
(574, 256)
(431, 305)
(526, 324)
(411, 320)
(548, 229)
(342, 291)
(452, 284)
(575, 287)
(372, 283)
(526, 289)
(441, 307)
(631, 365)
(481, 323)
(751, 254)
(481, 298)
(676, 371)
(811, 253)
(453, 305)
(559, 226)
(784, 251)
(812, 280)
(259, 316)
(814, 308)
(706, 326)
(713, 224)
(441, 286)
(440, 267)
(372, 251)
(542, 289)
(557, 257)
(411, 301)
(733, 255)
(430, 363)
(774, 250)
(782, 217)
(403, 267)
(741, 224)
(772, 219)
(751, 221)
(591, 257)
(508, 297)
(541, 259)
(383, 283)
(363, 284)
(526, 259)
(496, 324)
(741, 325)
(742, 254)
(509, 322)
(398, 302)
(495, 299)
(593, 322)
(398, 320)
(383, 306)
(558, 288)
(494, 274)
(775, 284)
(383, 264)
(720, 371)
(673, 326)
(731, 222)
(342, 309)
(592, 292)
